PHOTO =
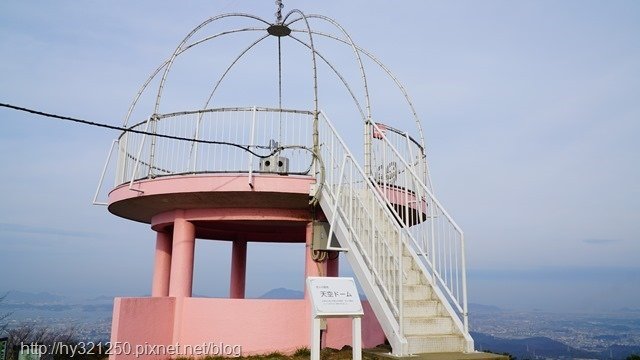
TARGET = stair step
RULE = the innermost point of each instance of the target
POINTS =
(425, 308)
(428, 326)
(417, 292)
(436, 344)
(407, 263)
(413, 277)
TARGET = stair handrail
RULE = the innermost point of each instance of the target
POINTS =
(436, 277)
(462, 308)
(394, 308)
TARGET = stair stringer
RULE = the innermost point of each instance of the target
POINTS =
(383, 312)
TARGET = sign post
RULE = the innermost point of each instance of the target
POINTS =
(335, 297)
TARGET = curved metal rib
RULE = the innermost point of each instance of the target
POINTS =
(386, 70)
(346, 84)
(367, 128)
(355, 51)
(398, 84)
(229, 68)
(313, 54)
(153, 75)
(194, 145)
(315, 135)
(184, 41)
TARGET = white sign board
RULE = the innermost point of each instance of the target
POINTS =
(334, 296)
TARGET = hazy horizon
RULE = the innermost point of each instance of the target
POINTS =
(531, 119)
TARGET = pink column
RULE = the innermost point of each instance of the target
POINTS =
(238, 269)
(333, 264)
(311, 268)
(162, 265)
(184, 240)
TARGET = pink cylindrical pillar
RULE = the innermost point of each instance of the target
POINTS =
(311, 268)
(238, 269)
(162, 265)
(333, 264)
(184, 240)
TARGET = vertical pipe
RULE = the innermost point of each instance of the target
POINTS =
(333, 265)
(310, 268)
(162, 265)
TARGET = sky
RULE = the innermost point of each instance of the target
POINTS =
(531, 112)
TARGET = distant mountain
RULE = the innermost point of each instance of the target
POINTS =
(43, 307)
(530, 348)
(282, 293)
(480, 308)
(21, 297)
(100, 299)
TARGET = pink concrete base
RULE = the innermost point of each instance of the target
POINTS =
(150, 327)
(140, 321)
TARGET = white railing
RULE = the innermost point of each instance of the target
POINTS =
(408, 149)
(434, 235)
(371, 226)
(227, 134)
(387, 214)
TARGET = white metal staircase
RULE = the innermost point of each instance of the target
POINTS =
(405, 250)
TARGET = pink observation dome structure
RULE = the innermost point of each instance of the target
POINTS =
(259, 160)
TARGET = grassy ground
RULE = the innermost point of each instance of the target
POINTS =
(301, 354)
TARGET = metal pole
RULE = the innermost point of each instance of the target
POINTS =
(465, 309)
(356, 333)
(315, 339)
(253, 131)
(104, 170)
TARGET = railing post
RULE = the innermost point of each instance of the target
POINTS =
(253, 140)
(195, 143)
(122, 165)
(465, 309)
(315, 137)
(400, 286)
(152, 149)
(137, 163)
(337, 200)
(104, 171)
(367, 146)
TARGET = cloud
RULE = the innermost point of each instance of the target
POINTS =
(600, 241)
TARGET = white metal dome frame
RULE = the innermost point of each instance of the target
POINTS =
(282, 29)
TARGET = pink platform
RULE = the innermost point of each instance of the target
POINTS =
(182, 209)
